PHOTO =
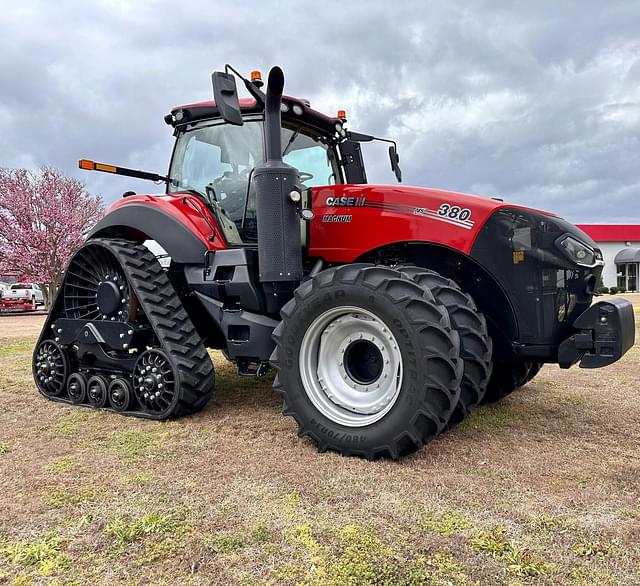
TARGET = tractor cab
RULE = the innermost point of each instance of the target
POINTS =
(216, 159)
(220, 143)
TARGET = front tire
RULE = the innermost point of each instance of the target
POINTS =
(367, 361)
(476, 346)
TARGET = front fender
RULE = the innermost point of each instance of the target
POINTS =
(179, 226)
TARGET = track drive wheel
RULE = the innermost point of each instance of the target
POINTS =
(367, 361)
(475, 343)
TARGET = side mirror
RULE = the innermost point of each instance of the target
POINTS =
(225, 93)
(395, 160)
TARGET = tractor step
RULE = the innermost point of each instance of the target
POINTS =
(250, 368)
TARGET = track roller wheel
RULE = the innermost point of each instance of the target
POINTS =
(367, 361)
(154, 379)
(120, 394)
(476, 345)
(50, 368)
(77, 388)
(97, 391)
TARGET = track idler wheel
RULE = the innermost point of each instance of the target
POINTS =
(97, 391)
(50, 368)
(155, 382)
(120, 394)
(77, 388)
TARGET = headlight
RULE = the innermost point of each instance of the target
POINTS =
(579, 253)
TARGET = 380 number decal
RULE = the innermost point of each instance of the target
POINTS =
(451, 214)
(454, 212)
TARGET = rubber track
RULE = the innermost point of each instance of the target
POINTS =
(170, 322)
(476, 346)
(400, 289)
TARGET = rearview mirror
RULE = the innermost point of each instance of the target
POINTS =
(225, 93)
(395, 160)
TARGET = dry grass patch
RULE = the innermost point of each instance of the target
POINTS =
(232, 496)
(12, 346)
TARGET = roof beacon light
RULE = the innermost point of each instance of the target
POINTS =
(342, 114)
(256, 78)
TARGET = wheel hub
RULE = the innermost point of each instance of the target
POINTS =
(363, 361)
(351, 366)
(95, 286)
(108, 297)
(149, 383)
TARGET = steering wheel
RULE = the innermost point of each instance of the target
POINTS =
(305, 176)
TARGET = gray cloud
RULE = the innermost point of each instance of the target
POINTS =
(538, 103)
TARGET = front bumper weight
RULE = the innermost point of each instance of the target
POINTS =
(604, 333)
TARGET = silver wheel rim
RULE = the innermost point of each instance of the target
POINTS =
(351, 366)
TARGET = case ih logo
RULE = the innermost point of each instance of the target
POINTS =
(347, 201)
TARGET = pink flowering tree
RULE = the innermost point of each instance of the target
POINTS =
(43, 219)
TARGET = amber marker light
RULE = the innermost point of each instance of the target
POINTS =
(342, 114)
(106, 168)
(87, 165)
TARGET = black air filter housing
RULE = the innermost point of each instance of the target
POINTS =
(279, 247)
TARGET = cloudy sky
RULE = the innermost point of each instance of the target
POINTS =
(536, 102)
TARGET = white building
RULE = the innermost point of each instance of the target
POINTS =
(620, 245)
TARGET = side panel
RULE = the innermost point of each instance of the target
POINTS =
(180, 223)
(353, 219)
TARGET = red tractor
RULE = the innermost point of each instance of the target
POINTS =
(389, 312)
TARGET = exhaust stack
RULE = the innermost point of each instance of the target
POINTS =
(279, 245)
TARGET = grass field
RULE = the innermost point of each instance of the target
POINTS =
(541, 488)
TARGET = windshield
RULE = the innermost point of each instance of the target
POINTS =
(217, 160)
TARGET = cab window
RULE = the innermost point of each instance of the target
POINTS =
(310, 156)
(216, 160)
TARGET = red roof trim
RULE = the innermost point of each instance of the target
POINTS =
(612, 232)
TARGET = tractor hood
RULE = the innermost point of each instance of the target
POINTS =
(351, 219)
